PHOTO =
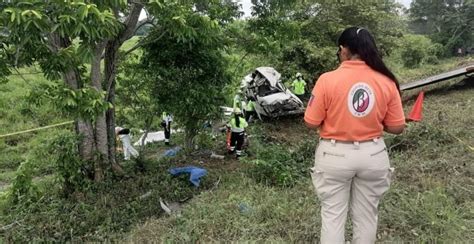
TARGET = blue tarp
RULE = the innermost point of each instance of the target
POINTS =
(172, 152)
(195, 173)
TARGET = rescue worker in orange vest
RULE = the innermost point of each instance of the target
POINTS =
(237, 126)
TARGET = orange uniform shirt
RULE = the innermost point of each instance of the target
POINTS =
(353, 103)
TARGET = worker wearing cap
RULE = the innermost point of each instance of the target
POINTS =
(128, 149)
(299, 85)
(166, 120)
(237, 126)
(352, 106)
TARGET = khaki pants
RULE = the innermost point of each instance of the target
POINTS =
(350, 174)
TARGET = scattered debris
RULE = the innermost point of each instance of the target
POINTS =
(195, 173)
(155, 136)
(146, 195)
(170, 208)
(216, 184)
(165, 207)
(213, 155)
(244, 208)
(172, 152)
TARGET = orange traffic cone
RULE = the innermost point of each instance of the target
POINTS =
(416, 113)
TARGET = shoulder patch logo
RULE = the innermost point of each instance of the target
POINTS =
(361, 99)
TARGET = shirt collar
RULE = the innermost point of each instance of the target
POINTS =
(353, 64)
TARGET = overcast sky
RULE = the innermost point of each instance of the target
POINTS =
(247, 5)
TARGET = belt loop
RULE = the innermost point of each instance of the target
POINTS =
(356, 144)
(333, 142)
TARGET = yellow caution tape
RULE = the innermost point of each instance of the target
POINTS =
(35, 129)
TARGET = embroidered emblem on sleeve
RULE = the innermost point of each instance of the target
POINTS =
(361, 99)
(311, 101)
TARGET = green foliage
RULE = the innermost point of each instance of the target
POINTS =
(274, 165)
(28, 22)
(23, 189)
(300, 36)
(85, 103)
(101, 213)
(450, 23)
(188, 69)
(136, 105)
(418, 49)
(419, 136)
(71, 170)
(305, 56)
(205, 140)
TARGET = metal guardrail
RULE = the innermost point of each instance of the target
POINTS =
(438, 78)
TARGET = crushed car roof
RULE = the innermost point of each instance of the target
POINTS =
(270, 74)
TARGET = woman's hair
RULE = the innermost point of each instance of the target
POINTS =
(237, 120)
(360, 41)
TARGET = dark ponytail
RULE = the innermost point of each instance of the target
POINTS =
(360, 41)
(237, 120)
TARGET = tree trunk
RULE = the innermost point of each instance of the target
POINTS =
(100, 122)
(110, 62)
(84, 128)
(189, 138)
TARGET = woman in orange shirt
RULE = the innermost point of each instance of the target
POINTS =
(352, 106)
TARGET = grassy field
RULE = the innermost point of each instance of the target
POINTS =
(19, 113)
(431, 199)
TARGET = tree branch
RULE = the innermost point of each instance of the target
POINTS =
(21, 75)
(142, 23)
(131, 22)
(142, 43)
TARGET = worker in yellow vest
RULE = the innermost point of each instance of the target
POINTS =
(250, 112)
(237, 126)
(299, 85)
(237, 102)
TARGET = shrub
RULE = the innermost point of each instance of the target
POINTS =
(308, 59)
(276, 165)
(417, 136)
(418, 49)
(71, 170)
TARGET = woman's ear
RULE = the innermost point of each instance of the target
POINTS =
(345, 53)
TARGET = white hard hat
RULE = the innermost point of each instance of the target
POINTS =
(237, 111)
(298, 74)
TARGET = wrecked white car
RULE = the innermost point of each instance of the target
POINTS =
(271, 96)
